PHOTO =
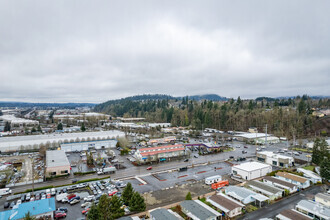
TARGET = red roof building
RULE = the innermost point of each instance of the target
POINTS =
(160, 153)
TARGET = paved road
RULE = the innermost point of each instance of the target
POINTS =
(271, 211)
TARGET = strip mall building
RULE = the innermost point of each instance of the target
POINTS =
(160, 153)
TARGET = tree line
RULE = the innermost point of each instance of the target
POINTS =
(291, 118)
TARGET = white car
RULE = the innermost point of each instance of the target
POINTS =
(19, 202)
(43, 196)
(89, 198)
(85, 204)
(114, 161)
(74, 201)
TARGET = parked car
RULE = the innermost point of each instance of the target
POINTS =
(19, 202)
(6, 205)
(75, 198)
(231, 157)
(74, 180)
(23, 198)
(60, 215)
(63, 209)
(186, 160)
(95, 192)
(28, 197)
(85, 211)
(37, 196)
(43, 196)
(12, 204)
(245, 146)
(149, 168)
(74, 201)
(70, 196)
(53, 192)
(85, 204)
(196, 156)
(111, 193)
(48, 196)
(89, 198)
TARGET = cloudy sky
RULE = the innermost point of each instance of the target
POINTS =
(93, 51)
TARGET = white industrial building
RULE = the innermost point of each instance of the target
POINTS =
(18, 123)
(83, 146)
(251, 170)
(275, 159)
(57, 163)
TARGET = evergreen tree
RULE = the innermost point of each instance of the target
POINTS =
(137, 203)
(7, 126)
(325, 169)
(33, 130)
(188, 196)
(93, 213)
(115, 208)
(320, 151)
(104, 207)
(82, 128)
(127, 194)
(28, 216)
(59, 126)
(39, 129)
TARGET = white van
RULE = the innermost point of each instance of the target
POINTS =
(213, 179)
(5, 191)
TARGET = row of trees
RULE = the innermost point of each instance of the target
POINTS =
(321, 157)
(82, 127)
(287, 117)
(110, 208)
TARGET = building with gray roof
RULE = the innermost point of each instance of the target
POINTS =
(229, 206)
(323, 198)
(245, 195)
(280, 183)
(164, 214)
(268, 190)
(197, 210)
(291, 214)
(57, 163)
(313, 209)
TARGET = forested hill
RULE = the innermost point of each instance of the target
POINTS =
(134, 104)
(285, 117)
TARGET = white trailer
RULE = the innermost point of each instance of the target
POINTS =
(5, 191)
(106, 170)
(61, 196)
(213, 179)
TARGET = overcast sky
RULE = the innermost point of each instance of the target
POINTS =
(93, 51)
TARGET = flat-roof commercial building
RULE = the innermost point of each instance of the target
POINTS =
(57, 163)
(86, 145)
(275, 159)
(18, 123)
(280, 183)
(229, 206)
(198, 210)
(164, 214)
(162, 140)
(300, 181)
(323, 198)
(251, 170)
(37, 209)
(291, 214)
(313, 209)
(268, 190)
(160, 153)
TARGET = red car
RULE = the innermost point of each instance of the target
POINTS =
(149, 168)
(48, 196)
(71, 196)
(60, 215)
(113, 193)
(85, 211)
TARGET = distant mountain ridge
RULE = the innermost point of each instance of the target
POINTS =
(44, 105)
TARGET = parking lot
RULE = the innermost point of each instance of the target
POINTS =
(165, 180)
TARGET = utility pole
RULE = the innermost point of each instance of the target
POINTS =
(266, 138)
(32, 175)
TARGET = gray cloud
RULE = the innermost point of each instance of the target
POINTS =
(92, 51)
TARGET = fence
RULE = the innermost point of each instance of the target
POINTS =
(24, 183)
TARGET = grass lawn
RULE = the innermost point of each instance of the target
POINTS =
(309, 168)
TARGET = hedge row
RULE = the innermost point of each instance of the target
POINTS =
(84, 173)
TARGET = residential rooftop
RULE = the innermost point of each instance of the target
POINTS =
(226, 202)
(294, 215)
(278, 181)
(264, 186)
(197, 210)
(162, 214)
(315, 208)
(292, 177)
